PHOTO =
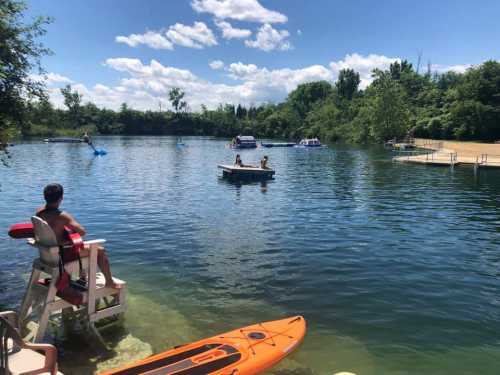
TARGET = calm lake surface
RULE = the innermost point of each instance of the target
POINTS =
(396, 268)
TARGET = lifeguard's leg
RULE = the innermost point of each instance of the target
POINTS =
(103, 263)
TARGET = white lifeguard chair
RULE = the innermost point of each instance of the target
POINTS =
(76, 298)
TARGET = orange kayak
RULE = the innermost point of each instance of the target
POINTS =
(244, 351)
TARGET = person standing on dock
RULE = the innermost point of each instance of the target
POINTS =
(58, 220)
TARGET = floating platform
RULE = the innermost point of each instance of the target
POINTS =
(233, 171)
(451, 159)
(279, 144)
(63, 140)
(438, 159)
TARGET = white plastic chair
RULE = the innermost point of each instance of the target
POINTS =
(21, 358)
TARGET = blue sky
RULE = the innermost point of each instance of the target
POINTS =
(250, 51)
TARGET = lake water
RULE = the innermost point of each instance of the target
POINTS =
(395, 267)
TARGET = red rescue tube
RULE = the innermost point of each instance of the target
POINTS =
(22, 231)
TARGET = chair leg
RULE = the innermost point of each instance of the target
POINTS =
(51, 295)
(23, 313)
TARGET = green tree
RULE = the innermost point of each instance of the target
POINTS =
(305, 95)
(347, 84)
(389, 111)
(20, 54)
(175, 96)
(72, 100)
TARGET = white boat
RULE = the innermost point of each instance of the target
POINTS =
(244, 141)
(310, 142)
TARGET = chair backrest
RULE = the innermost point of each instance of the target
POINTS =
(8, 334)
(46, 241)
(44, 235)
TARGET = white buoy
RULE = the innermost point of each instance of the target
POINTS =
(344, 373)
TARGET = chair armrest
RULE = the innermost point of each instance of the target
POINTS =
(11, 317)
(93, 242)
(50, 353)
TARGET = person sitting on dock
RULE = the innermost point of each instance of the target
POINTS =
(58, 220)
(263, 162)
(238, 161)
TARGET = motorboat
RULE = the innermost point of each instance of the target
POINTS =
(310, 142)
(244, 141)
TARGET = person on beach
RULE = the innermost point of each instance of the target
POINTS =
(58, 220)
(263, 162)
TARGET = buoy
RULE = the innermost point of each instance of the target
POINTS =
(344, 373)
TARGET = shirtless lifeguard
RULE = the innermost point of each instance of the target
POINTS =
(58, 219)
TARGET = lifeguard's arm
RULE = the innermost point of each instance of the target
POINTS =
(74, 225)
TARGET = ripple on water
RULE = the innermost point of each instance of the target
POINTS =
(395, 267)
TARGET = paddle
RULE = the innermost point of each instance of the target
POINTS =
(97, 151)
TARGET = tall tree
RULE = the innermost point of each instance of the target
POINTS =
(72, 100)
(389, 111)
(347, 84)
(175, 96)
(20, 55)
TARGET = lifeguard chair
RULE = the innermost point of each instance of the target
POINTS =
(93, 301)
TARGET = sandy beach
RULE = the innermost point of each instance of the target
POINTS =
(455, 152)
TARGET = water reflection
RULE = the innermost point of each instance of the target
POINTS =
(394, 266)
(239, 183)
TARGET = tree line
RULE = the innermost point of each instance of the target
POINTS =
(399, 102)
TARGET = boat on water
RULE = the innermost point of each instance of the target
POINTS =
(245, 351)
(310, 142)
(246, 172)
(63, 140)
(278, 144)
(244, 141)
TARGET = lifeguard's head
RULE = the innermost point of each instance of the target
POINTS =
(53, 194)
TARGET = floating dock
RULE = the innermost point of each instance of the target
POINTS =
(449, 158)
(233, 171)
(279, 144)
(63, 140)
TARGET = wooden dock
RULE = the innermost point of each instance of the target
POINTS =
(448, 158)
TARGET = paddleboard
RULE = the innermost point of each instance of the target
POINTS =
(244, 351)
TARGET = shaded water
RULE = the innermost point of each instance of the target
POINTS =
(395, 267)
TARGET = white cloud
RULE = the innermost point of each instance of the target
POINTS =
(151, 38)
(230, 32)
(216, 64)
(449, 68)
(196, 36)
(241, 10)
(364, 65)
(51, 79)
(281, 80)
(146, 84)
(269, 39)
